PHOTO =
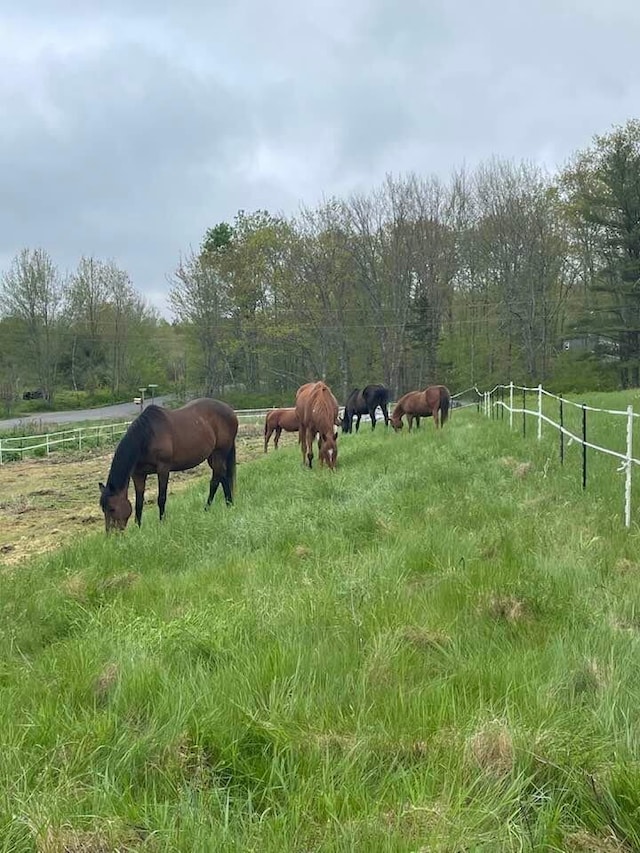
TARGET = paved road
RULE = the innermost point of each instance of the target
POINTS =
(120, 410)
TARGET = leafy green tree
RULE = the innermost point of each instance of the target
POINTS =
(602, 193)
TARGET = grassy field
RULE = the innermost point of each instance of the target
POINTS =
(434, 649)
(45, 502)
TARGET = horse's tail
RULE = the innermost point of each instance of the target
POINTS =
(231, 467)
(445, 405)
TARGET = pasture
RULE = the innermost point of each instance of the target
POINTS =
(435, 648)
(45, 502)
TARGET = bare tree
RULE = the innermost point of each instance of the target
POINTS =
(198, 298)
(521, 253)
(434, 266)
(380, 226)
(88, 294)
(322, 292)
(32, 292)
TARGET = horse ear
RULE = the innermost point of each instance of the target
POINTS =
(102, 487)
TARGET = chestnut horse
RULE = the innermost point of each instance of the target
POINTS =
(163, 440)
(427, 403)
(317, 411)
(276, 421)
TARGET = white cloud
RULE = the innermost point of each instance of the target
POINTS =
(128, 133)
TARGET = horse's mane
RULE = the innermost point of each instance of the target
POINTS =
(323, 398)
(132, 444)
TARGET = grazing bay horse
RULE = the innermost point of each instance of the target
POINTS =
(365, 402)
(427, 403)
(317, 411)
(163, 440)
(276, 421)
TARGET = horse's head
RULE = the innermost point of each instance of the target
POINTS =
(396, 423)
(116, 507)
(328, 452)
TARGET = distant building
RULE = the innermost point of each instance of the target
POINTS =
(601, 345)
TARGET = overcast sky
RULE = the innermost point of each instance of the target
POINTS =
(126, 134)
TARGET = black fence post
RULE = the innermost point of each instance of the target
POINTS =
(584, 446)
(561, 432)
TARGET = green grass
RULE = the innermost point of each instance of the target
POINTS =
(432, 649)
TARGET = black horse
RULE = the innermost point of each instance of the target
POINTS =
(365, 402)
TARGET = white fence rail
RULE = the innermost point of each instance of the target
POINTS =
(493, 400)
(15, 447)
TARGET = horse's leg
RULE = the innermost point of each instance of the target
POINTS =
(139, 482)
(226, 481)
(385, 414)
(267, 436)
(309, 446)
(417, 421)
(372, 415)
(435, 417)
(216, 478)
(163, 482)
(410, 421)
(358, 421)
(302, 441)
(276, 437)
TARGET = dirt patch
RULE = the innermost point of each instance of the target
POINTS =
(65, 839)
(45, 503)
(491, 748)
(506, 607)
(518, 469)
(586, 842)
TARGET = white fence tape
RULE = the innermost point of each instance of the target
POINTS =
(492, 399)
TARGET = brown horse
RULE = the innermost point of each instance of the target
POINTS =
(317, 411)
(276, 421)
(427, 403)
(164, 440)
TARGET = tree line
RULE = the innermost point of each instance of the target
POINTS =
(501, 272)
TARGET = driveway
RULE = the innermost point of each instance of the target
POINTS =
(123, 411)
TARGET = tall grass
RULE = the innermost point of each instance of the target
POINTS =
(435, 648)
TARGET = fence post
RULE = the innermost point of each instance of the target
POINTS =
(627, 484)
(46, 437)
(511, 404)
(584, 446)
(79, 438)
(0, 451)
(539, 411)
(524, 416)
(561, 431)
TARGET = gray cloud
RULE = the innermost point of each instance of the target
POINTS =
(128, 134)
